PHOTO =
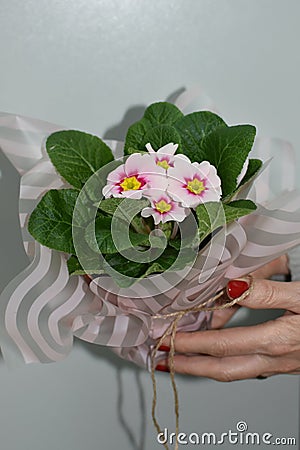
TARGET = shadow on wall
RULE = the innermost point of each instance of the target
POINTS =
(132, 115)
(135, 434)
(13, 258)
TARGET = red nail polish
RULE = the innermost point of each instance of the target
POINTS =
(235, 288)
(164, 348)
(162, 368)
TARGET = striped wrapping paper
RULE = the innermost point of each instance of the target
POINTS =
(42, 309)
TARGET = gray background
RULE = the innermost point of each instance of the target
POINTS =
(83, 64)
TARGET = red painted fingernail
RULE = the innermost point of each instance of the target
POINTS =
(162, 368)
(164, 348)
(235, 288)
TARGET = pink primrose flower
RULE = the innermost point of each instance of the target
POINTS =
(163, 208)
(133, 178)
(194, 183)
(165, 156)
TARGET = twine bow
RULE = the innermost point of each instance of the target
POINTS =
(171, 330)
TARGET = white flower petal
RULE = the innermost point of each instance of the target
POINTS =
(168, 149)
(111, 190)
(243, 172)
(132, 193)
(147, 212)
(183, 157)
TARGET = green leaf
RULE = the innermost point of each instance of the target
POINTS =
(126, 267)
(175, 243)
(156, 115)
(238, 208)
(160, 136)
(77, 155)
(163, 263)
(74, 266)
(193, 128)
(253, 167)
(227, 149)
(101, 231)
(212, 215)
(128, 212)
(110, 205)
(162, 113)
(135, 137)
(51, 221)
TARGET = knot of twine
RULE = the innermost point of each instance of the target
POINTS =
(171, 331)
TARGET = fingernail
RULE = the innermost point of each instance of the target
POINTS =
(162, 368)
(235, 288)
(164, 348)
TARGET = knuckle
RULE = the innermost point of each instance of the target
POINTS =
(225, 376)
(284, 338)
(288, 366)
(184, 342)
(267, 292)
(220, 348)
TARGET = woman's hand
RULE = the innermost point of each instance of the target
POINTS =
(277, 267)
(239, 353)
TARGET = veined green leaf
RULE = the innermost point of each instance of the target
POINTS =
(193, 128)
(162, 116)
(161, 135)
(212, 215)
(105, 242)
(51, 221)
(227, 149)
(162, 113)
(77, 155)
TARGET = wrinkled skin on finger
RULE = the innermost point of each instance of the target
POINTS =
(266, 349)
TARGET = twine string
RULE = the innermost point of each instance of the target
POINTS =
(171, 331)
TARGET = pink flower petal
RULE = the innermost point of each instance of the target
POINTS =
(117, 175)
(111, 190)
(181, 170)
(136, 194)
(147, 212)
(157, 181)
(134, 164)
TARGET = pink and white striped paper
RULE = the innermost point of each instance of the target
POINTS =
(43, 308)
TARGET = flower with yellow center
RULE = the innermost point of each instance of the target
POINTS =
(130, 183)
(163, 163)
(163, 207)
(193, 183)
(195, 186)
(132, 179)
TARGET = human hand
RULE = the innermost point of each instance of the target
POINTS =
(277, 267)
(239, 353)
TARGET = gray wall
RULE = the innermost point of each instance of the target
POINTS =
(83, 64)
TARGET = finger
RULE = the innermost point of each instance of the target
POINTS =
(220, 318)
(273, 338)
(226, 369)
(267, 294)
(276, 267)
